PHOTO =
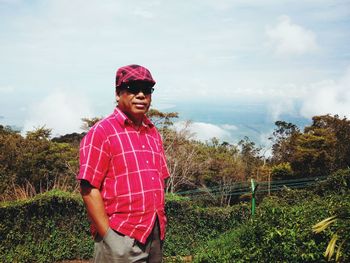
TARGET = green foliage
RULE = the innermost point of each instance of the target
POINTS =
(337, 183)
(54, 226)
(282, 228)
(10, 154)
(313, 155)
(340, 237)
(71, 138)
(284, 138)
(190, 226)
(321, 149)
(282, 171)
(48, 228)
(339, 129)
(162, 119)
(250, 156)
(280, 233)
(35, 160)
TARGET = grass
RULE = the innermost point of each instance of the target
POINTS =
(28, 190)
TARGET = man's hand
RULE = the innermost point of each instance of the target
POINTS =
(95, 207)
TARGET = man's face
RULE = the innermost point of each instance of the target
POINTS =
(135, 100)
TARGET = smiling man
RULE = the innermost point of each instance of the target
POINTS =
(122, 172)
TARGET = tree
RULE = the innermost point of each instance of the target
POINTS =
(251, 157)
(339, 130)
(313, 154)
(284, 141)
(89, 122)
(221, 167)
(282, 171)
(182, 158)
(320, 150)
(73, 139)
(35, 160)
(10, 156)
(162, 120)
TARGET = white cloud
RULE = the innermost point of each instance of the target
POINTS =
(281, 106)
(329, 96)
(60, 112)
(288, 38)
(206, 131)
(229, 127)
(202, 50)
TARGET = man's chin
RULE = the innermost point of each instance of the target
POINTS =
(138, 112)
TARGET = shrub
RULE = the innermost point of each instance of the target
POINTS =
(281, 232)
(282, 171)
(337, 183)
(53, 226)
(50, 227)
(190, 226)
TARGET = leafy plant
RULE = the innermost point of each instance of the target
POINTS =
(341, 234)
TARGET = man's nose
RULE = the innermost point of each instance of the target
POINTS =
(140, 94)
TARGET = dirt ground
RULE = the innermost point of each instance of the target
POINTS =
(76, 261)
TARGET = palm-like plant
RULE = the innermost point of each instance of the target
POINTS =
(338, 238)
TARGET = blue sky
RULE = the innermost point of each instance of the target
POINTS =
(232, 67)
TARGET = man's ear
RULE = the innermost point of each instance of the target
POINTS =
(117, 95)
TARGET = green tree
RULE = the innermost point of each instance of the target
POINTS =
(284, 140)
(319, 150)
(282, 171)
(35, 160)
(313, 155)
(10, 156)
(162, 120)
(339, 130)
(251, 157)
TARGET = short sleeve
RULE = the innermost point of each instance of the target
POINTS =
(94, 156)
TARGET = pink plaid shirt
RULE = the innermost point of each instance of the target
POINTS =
(129, 168)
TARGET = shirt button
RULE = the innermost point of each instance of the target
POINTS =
(146, 161)
(143, 147)
(152, 178)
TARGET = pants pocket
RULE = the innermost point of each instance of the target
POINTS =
(115, 247)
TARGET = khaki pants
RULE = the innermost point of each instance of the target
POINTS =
(115, 247)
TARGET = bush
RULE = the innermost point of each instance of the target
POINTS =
(50, 227)
(282, 171)
(337, 183)
(282, 230)
(53, 226)
(190, 226)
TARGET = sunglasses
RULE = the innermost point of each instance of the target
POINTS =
(137, 87)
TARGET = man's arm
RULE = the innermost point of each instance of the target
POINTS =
(95, 207)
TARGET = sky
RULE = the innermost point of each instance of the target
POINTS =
(232, 67)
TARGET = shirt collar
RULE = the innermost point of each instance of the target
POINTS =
(124, 120)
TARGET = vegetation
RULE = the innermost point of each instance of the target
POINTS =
(56, 227)
(35, 160)
(281, 230)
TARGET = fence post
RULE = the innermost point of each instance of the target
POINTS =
(254, 187)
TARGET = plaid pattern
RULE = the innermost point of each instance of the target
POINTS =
(129, 168)
(132, 73)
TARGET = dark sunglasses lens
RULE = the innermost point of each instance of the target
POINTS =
(148, 90)
(135, 89)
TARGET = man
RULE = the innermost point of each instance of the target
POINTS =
(122, 172)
